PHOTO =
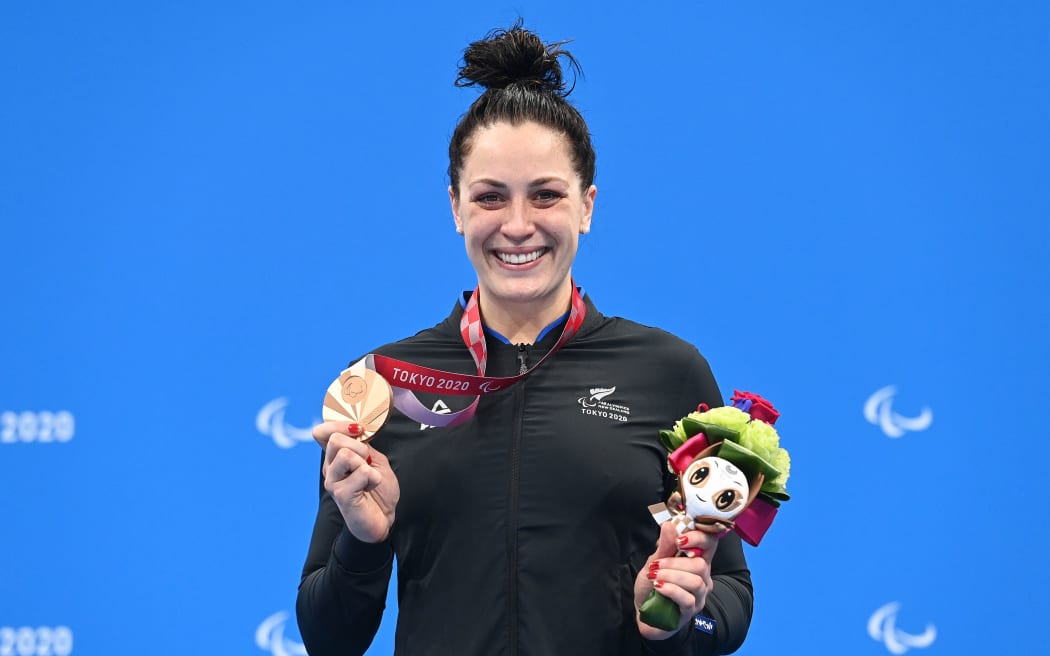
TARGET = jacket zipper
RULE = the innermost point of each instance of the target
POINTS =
(523, 357)
(515, 473)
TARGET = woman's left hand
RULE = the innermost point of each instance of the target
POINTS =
(683, 579)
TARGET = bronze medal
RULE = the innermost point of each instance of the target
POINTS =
(361, 396)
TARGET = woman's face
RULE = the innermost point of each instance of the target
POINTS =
(521, 211)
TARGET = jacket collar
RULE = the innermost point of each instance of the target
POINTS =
(548, 337)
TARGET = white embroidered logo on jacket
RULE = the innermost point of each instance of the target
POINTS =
(595, 405)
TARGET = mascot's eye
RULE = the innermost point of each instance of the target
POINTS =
(700, 475)
(726, 499)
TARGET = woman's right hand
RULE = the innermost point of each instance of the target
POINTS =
(360, 481)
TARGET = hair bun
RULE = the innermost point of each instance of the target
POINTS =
(515, 56)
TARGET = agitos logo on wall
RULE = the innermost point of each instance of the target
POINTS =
(270, 637)
(879, 410)
(882, 627)
(270, 421)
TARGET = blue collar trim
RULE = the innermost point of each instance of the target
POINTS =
(543, 333)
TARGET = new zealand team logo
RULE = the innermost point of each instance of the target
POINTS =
(597, 394)
(594, 404)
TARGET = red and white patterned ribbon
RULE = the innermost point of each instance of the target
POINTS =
(407, 378)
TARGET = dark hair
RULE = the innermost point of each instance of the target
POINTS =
(523, 82)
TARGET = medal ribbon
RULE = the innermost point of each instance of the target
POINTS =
(406, 378)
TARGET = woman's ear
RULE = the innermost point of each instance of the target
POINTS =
(588, 209)
(454, 202)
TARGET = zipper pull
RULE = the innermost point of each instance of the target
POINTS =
(523, 356)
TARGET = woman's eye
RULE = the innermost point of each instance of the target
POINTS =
(488, 199)
(547, 196)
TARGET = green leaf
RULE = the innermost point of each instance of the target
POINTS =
(669, 440)
(747, 460)
(768, 499)
(713, 432)
(691, 426)
(774, 488)
(660, 612)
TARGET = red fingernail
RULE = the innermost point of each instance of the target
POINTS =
(369, 460)
(655, 565)
(695, 552)
(354, 430)
(658, 584)
(682, 540)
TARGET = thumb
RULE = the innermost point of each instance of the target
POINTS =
(667, 544)
(375, 477)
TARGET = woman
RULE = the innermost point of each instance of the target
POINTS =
(524, 530)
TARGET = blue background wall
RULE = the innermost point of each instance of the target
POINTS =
(863, 187)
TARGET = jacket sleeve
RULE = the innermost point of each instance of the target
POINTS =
(342, 593)
(731, 602)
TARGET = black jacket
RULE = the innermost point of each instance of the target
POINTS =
(522, 530)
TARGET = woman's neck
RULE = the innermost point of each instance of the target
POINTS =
(522, 323)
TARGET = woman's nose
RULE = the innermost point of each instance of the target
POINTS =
(517, 223)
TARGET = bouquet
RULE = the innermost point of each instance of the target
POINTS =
(732, 475)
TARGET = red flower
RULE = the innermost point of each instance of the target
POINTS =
(756, 406)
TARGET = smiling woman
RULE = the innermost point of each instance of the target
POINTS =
(526, 529)
(521, 210)
(521, 167)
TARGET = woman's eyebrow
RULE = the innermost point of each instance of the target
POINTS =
(503, 185)
(490, 182)
(551, 178)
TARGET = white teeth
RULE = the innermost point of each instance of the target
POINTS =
(519, 258)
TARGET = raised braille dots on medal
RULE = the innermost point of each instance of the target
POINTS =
(358, 396)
